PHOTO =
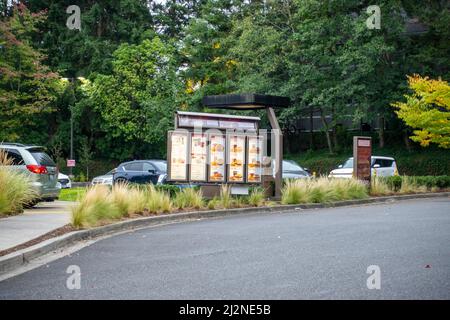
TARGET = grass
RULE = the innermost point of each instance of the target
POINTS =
(96, 206)
(101, 204)
(71, 194)
(189, 198)
(322, 190)
(225, 198)
(256, 197)
(16, 189)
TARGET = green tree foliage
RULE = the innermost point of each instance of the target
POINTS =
(104, 26)
(27, 86)
(138, 99)
(427, 110)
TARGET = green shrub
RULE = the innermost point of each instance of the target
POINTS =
(16, 189)
(171, 189)
(405, 184)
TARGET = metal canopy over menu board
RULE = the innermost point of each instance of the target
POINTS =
(236, 157)
(216, 172)
(254, 158)
(198, 152)
(178, 152)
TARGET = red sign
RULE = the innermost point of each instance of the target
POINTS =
(70, 163)
(362, 154)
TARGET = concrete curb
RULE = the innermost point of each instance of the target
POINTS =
(22, 257)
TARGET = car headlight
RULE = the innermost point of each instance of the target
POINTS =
(161, 178)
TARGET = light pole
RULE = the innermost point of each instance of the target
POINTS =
(71, 140)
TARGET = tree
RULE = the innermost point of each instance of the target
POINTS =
(427, 110)
(27, 87)
(137, 101)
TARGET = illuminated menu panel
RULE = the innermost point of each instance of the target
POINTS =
(216, 158)
(178, 156)
(254, 157)
(236, 158)
(198, 157)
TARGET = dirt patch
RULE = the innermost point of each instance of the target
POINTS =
(52, 234)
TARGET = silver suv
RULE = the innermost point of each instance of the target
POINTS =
(33, 161)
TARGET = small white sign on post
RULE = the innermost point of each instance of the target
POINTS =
(70, 163)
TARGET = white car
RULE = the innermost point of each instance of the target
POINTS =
(106, 179)
(64, 180)
(381, 166)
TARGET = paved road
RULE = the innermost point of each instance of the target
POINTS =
(33, 223)
(314, 254)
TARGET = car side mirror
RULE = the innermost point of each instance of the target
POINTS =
(340, 166)
(151, 171)
(376, 165)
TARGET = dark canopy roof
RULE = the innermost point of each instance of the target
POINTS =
(245, 101)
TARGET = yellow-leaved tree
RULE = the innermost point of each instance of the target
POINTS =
(427, 111)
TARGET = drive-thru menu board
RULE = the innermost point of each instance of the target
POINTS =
(198, 157)
(216, 158)
(254, 157)
(178, 156)
(362, 154)
(236, 158)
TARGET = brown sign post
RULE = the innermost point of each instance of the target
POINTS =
(362, 154)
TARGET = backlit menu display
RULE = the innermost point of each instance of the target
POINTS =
(178, 156)
(254, 157)
(216, 158)
(198, 157)
(236, 158)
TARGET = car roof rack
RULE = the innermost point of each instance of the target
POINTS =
(12, 144)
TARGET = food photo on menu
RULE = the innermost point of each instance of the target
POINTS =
(217, 158)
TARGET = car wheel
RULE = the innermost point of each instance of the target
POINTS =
(30, 204)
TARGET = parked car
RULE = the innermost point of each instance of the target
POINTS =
(33, 161)
(141, 171)
(106, 179)
(381, 166)
(64, 180)
(292, 170)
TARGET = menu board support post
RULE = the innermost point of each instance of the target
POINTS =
(278, 148)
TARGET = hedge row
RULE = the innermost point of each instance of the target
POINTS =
(440, 182)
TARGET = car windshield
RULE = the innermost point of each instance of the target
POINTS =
(291, 166)
(161, 165)
(348, 164)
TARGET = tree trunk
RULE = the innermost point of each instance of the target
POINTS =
(381, 132)
(311, 128)
(334, 131)
(406, 140)
(327, 131)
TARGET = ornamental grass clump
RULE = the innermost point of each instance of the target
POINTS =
(256, 197)
(16, 188)
(189, 198)
(225, 198)
(157, 201)
(95, 207)
(379, 187)
(322, 190)
(294, 192)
